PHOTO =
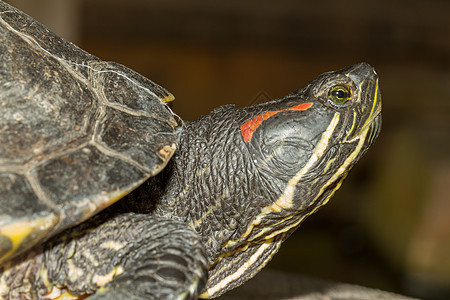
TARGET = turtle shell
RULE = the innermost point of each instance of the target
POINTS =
(76, 133)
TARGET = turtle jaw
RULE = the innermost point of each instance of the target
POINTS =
(369, 131)
(367, 114)
(374, 129)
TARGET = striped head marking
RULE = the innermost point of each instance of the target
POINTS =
(249, 127)
(302, 147)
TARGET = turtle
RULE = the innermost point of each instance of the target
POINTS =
(106, 193)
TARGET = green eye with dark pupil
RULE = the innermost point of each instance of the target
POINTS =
(340, 94)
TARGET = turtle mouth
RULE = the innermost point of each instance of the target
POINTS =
(371, 127)
(370, 130)
(374, 129)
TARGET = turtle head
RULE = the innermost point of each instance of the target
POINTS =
(304, 148)
(301, 147)
(315, 132)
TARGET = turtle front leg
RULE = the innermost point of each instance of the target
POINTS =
(131, 256)
(170, 264)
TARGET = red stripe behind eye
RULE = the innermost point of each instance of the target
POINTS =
(249, 127)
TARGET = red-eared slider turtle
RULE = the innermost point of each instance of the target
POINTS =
(77, 134)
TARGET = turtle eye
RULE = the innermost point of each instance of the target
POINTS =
(340, 94)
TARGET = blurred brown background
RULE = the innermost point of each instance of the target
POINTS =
(389, 225)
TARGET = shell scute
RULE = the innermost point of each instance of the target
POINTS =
(77, 133)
